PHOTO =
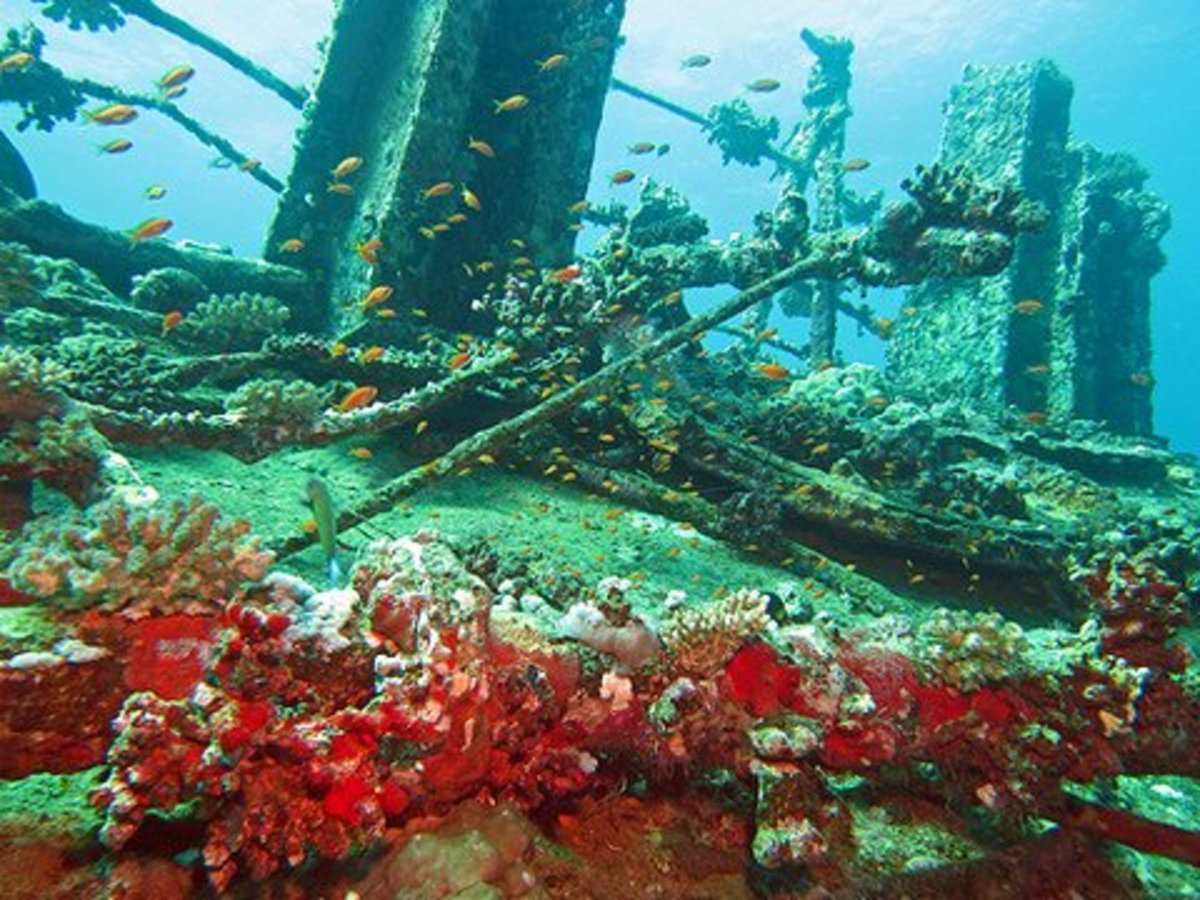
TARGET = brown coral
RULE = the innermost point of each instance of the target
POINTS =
(702, 641)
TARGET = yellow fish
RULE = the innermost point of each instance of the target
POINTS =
(441, 189)
(551, 62)
(175, 76)
(346, 166)
(483, 148)
(151, 228)
(15, 61)
(291, 245)
(511, 104)
(113, 114)
(469, 198)
(381, 293)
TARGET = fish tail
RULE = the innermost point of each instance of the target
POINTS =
(335, 572)
(499, 106)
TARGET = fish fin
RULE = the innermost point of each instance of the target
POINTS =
(335, 572)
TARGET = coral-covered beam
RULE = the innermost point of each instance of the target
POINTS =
(1126, 828)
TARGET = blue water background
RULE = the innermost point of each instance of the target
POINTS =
(1136, 68)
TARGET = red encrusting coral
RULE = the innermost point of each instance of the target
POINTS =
(300, 743)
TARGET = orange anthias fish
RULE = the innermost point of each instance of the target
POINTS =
(855, 165)
(151, 228)
(469, 198)
(568, 273)
(622, 176)
(346, 166)
(511, 104)
(361, 453)
(369, 251)
(551, 62)
(371, 354)
(641, 148)
(774, 371)
(441, 189)
(340, 187)
(176, 75)
(459, 360)
(358, 398)
(170, 321)
(1028, 307)
(113, 114)
(291, 245)
(483, 148)
(381, 293)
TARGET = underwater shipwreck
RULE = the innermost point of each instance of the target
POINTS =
(428, 556)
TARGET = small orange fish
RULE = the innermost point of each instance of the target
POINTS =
(175, 76)
(469, 198)
(908, 311)
(358, 398)
(113, 114)
(440, 228)
(579, 206)
(171, 321)
(1141, 379)
(1036, 417)
(249, 165)
(381, 293)
(883, 327)
(456, 219)
(371, 354)
(766, 334)
(361, 452)
(291, 245)
(151, 228)
(386, 313)
(483, 148)
(855, 165)
(1037, 370)
(176, 90)
(763, 85)
(459, 360)
(369, 251)
(340, 187)
(622, 176)
(346, 166)
(554, 61)
(568, 273)
(1028, 307)
(511, 104)
(337, 349)
(16, 61)
(441, 189)
(641, 148)
(774, 371)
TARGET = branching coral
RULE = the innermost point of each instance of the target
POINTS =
(118, 558)
(275, 402)
(235, 321)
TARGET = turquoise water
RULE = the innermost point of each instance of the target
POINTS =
(1133, 66)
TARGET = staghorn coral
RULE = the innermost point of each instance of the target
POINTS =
(702, 641)
(235, 321)
(115, 557)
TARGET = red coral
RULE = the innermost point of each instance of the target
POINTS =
(168, 654)
(760, 679)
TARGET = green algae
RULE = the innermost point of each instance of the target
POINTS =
(24, 629)
(51, 806)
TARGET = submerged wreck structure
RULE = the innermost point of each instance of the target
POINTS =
(624, 615)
